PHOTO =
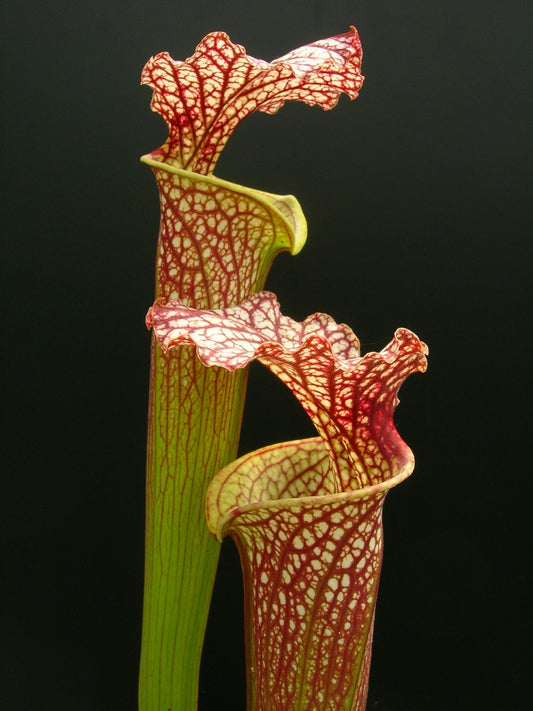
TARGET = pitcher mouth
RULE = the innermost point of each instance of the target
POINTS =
(286, 206)
(316, 456)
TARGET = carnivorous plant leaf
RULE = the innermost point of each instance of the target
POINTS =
(306, 515)
(216, 243)
(321, 363)
(203, 98)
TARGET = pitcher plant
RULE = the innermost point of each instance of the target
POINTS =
(306, 515)
(216, 243)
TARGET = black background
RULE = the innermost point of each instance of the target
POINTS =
(416, 196)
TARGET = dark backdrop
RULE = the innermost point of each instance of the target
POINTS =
(416, 196)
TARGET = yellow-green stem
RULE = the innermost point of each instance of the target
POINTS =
(194, 420)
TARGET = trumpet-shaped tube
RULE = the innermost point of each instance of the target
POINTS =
(216, 243)
(306, 515)
(311, 561)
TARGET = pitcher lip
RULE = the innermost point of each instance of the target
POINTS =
(298, 229)
(307, 501)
